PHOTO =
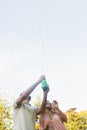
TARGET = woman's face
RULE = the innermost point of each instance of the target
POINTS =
(54, 103)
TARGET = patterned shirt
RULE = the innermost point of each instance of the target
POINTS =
(52, 122)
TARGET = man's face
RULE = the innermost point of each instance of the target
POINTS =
(48, 104)
(27, 99)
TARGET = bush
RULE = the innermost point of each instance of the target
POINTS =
(6, 122)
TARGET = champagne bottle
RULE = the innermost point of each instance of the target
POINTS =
(44, 85)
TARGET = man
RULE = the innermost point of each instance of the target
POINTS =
(24, 113)
(52, 118)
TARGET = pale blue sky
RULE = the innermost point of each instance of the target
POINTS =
(45, 33)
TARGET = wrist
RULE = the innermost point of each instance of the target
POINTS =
(45, 93)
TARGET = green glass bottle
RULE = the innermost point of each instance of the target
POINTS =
(44, 85)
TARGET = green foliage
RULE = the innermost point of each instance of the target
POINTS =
(5, 115)
(76, 120)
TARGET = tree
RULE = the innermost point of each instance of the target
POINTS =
(76, 120)
(5, 115)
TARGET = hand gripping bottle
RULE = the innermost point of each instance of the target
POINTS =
(44, 85)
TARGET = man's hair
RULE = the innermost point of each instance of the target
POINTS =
(28, 97)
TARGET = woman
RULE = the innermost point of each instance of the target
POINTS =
(52, 118)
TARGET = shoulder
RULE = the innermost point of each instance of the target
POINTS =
(15, 105)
